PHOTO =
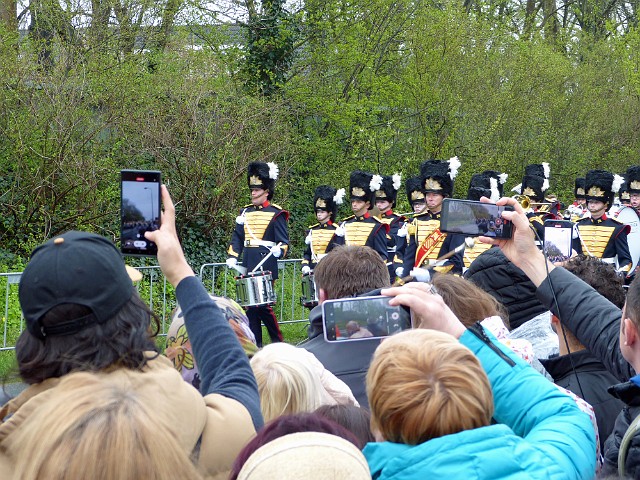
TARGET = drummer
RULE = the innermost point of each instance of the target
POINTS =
(320, 236)
(261, 235)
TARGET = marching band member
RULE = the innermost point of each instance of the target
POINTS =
(362, 228)
(578, 209)
(386, 201)
(261, 231)
(326, 200)
(633, 185)
(604, 237)
(425, 240)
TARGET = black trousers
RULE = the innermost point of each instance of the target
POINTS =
(264, 314)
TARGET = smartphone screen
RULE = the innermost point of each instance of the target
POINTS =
(139, 211)
(472, 219)
(557, 239)
(362, 318)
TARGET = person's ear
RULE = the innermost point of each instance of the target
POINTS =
(630, 330)
(322, 295)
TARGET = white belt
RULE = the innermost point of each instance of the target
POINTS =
(608, 260)
(259, 243)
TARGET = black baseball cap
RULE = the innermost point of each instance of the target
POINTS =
(78, 268)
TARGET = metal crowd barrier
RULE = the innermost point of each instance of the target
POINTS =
(159, 295)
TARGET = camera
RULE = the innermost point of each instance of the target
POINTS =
(472, 219)
(139, 211)
(363, 318)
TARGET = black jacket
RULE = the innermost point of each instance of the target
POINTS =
(584, 375)
(596, 323)
(496, 275)
(349, 361)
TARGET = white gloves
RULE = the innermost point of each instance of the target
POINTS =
(309, 238)
(240, 220)
(276, 251)
(231, 262)
(306, 269)
(340, 231)
(399, 272)
(402, 231)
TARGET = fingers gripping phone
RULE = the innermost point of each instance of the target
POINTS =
(139, 211)
(470, 218)
(363, 318)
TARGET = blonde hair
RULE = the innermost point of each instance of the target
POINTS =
(90, 427)
(424, 384)
(287, 382)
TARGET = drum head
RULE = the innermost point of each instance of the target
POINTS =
(629, 216)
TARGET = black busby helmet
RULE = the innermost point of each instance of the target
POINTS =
(539, 169)
(601, 185)
(500, 177)
(363, 185)
(579, 191)
(437, 176)
(328, 199)
(389, 189)
(633, 179)
(534, 187)
(262, 175)
(623, 193)
(483, 185)
(415, 194)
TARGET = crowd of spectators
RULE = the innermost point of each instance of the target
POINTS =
(463, 394)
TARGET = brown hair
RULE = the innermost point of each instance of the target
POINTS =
(468, 302)
(90, 427)
(423, 384)
(601, 276)
(348, 271)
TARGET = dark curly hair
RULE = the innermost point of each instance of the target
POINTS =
(601, 276)
(122, 341)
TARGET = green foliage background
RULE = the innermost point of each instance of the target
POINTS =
(371, 84)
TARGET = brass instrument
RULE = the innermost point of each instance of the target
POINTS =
(526, 203)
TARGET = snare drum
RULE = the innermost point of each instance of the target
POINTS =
(255, 288)
(309, 296)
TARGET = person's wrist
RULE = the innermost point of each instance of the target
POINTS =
(177, 275)
(536, 267)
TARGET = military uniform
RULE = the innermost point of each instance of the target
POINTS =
(395, 243)
(320, 240)
(364, 230)
(604, 237)
(425, 241)
(259, 229)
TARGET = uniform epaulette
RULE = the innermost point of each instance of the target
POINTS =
(377, 219)
(277, 206)
(314, 226)
(616, 220)
(411, 229)
(248, 206)
(348, 218)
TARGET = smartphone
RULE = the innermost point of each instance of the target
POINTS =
(139, 211)
(472, 219)
(363, 318)
(558, 235)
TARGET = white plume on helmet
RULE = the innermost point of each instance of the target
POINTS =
(375, 183)
(545, 167)
(495, 193)
(339, 196)
(273, 171)
(503, 178)
(454, 165)
(617, 183)
(397, 181)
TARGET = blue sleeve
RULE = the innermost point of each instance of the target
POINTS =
(224, 367)
(281, 230)
(380, 240)
(409, 254)
(237, 241)
(535, 409)
(622, 248)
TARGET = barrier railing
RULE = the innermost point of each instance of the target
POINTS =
(159, 295)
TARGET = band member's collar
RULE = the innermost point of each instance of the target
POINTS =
(436, 215)
(264, 205)
(362, 217)
(601, 219)
(388, 213)
(328, 223)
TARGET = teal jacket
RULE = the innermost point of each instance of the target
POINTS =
(540, 432)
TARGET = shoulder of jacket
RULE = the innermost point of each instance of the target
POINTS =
(349, 218)
(616, 220)
(248, 206)
(314, 226)
(277, 206)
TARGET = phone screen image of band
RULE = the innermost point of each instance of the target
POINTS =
(472, 218)
(140, 213)
(557, 243)
(361, 318)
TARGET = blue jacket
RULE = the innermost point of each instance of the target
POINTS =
(541, 433)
